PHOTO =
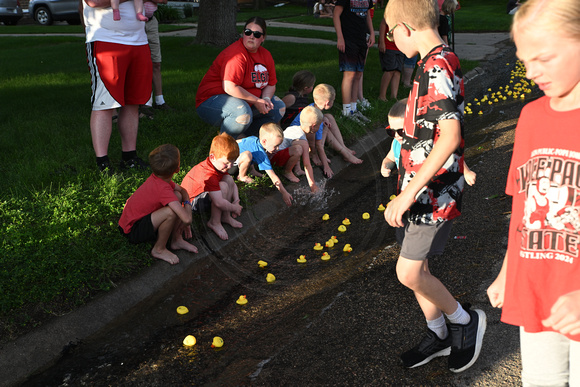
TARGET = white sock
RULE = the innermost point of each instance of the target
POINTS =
(353, 106)
(159, 100)
(460, 316)
(346, 109)
(438, 326)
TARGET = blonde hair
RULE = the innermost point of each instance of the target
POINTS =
(323, 92)
(563, 15)
(271, 130)
(419, 14)
(449, 7)
(309, 113)
(224, 145)
(302, 79)
(164, 160)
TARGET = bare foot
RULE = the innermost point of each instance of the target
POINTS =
(219, 230)
(351, 151)
(165, 255)
(255, 173)
(328, 160)
(353, 160)
(290, 176)
(246, 179)
(316, 160)
(299, 172)
(231, 221)
(181, 244)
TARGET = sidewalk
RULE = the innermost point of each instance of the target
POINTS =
(45, 345)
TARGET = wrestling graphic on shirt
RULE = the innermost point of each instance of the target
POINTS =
(551, 224)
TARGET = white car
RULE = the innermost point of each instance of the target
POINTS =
(46, 12)
(10, 12)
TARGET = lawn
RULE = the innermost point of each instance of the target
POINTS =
(58, 215)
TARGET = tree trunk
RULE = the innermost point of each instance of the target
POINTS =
(217, 22)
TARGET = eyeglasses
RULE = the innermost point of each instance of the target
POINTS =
(391, 132)
(390, 33)
(257, 34)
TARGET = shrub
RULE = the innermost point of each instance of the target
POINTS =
(188, 10)
(167, 14)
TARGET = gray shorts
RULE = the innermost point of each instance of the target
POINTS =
(201, 203)
(152, 31)
(421, 241)
(392, 60)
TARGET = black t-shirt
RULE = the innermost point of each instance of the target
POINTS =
(443, 26)
(353, 19)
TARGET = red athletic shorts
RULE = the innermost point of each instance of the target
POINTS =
(120, 74)
(280, 158)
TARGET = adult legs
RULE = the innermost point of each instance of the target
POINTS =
(274, 115)
(232, 115)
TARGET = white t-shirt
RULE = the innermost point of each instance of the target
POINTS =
(290, 134)
(100, 26)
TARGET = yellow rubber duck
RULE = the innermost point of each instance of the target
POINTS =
(182, 310)
(346, 222)
(334, 239)
(347, 248)
(392, 197)
(342, 228)
(329, 243)
(325, 256)
(301, 259)
(262, 264)
(217, 342)
(242, 300)
(325, 217)
(189, 340)
(270, 277)
(381, 207)
(318, 246)
(366, 216)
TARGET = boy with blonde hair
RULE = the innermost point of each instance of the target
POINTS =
(256, 151)
(211, 187)
(159, 208)
(327, 133)
(431, 184)
(295, 145)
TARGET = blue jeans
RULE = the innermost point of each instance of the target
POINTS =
(235, 116)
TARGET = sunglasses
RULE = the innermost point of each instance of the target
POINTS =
(257, 34)
(391, 132)
(390, 33)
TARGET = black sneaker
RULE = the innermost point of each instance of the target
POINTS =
(105, 166)
(466, 341)
(164, 106)
(134, 163)
(429, 348)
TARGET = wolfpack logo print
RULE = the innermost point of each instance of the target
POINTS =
(551, 224)
(260, 76)
(359, 7)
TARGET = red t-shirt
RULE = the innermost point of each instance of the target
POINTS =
(252, 71)
(153, 194)
(544, 180)
(202, 178)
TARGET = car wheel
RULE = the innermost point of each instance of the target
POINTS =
(43, 16)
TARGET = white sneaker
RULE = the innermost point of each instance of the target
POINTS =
(360, 116)
(364, 104)
(354, 118)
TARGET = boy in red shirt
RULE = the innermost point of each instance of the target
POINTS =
(211, 187)
(159, 208)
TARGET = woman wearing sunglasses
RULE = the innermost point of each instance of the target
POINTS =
(237, 92)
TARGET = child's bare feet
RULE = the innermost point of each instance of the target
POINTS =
(245, 179)
(352, 159)
(351, 151)
(299, 172)
(290, 176)
(219, 230)
(181, 244)
(255, 173)
(165, 255)
(316, 160)
(231, 221)
(328, 160)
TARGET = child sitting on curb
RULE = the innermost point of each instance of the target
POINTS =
(295, 146)
(159, 208)
(210, 186)
(296, 98)
(328, 132)
(254, 151)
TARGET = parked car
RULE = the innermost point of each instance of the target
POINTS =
(10, 12)
(46, 12)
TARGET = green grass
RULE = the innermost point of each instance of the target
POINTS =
(58, 215)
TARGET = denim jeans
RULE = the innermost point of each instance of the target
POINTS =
(228, 112)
